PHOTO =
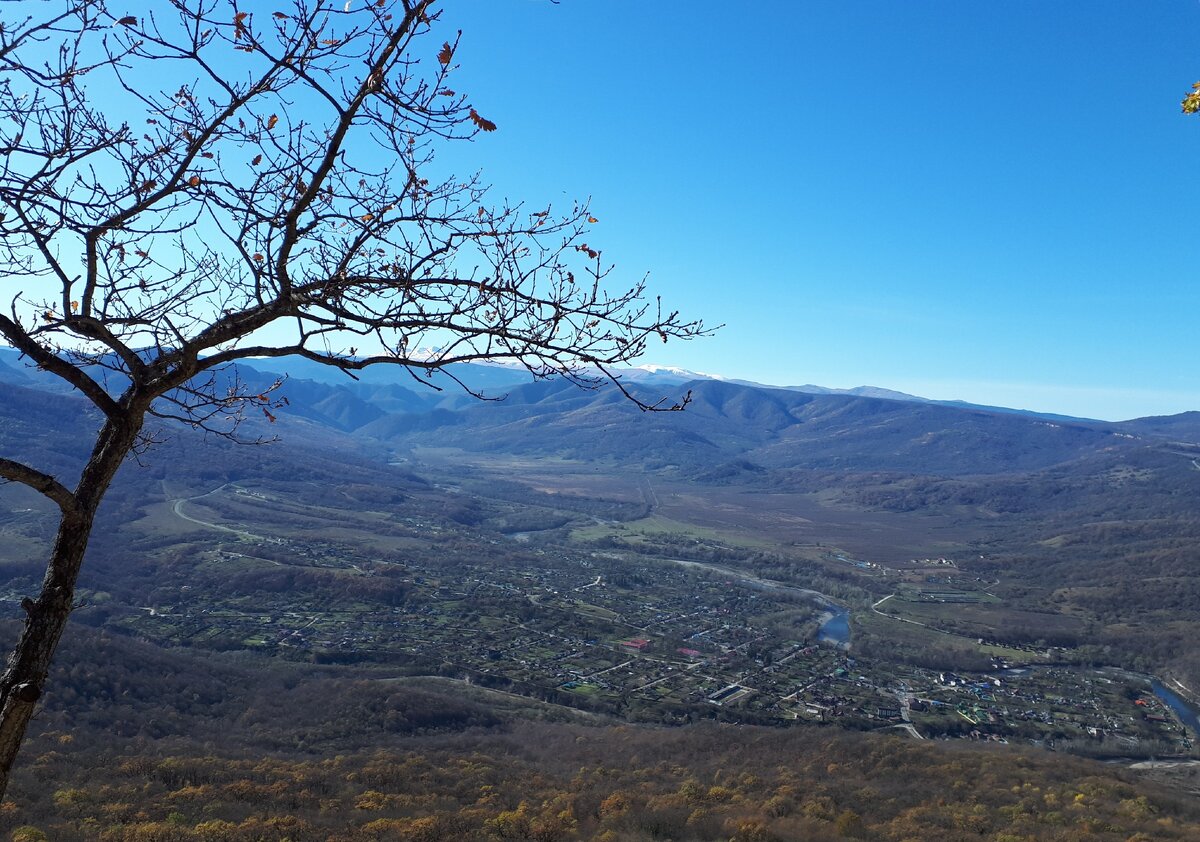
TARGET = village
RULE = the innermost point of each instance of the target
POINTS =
(640, 637)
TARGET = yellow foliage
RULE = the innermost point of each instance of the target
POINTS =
(386, 828)
(69, 797)
(613, 806)
(1191, 102)
(752, 831)
(720, 793)
(190, 792)
(692, 792)
(423, 829)
(512, 824)
(699, 817)
(372, 800)
(434, 795)
(818, 808)
(216, 830)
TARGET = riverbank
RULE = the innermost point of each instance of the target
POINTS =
(1182, 689)
(834, 627)
(1187, 713)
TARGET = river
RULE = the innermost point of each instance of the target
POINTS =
(836, 629)
(1183, 709)
(835, 626)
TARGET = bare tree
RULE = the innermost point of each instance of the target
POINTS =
(187, 187)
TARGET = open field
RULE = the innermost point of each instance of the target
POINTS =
(899, 632)
(657, 526)
(547, 474)
(805, 519)
(738, 514)
(994, 620)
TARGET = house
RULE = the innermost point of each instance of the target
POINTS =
(635, 644)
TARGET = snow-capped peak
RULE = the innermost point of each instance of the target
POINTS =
(651, 368)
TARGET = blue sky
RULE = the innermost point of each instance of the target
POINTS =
(988, 201)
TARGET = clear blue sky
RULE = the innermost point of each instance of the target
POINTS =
(989, 201)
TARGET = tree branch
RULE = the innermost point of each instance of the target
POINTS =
(47, 361)
(42, 483)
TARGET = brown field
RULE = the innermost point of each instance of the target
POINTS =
(997, 617)
(778, 517)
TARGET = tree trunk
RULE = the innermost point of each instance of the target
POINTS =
(46, 617)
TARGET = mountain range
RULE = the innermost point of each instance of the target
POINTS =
(754, 426)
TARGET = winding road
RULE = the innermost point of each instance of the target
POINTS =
(177, 508)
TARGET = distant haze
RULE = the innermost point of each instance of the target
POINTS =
(1106, 404)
